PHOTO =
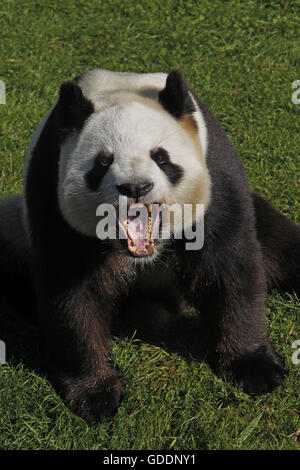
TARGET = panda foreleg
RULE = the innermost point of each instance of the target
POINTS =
(76, 346)
(234, 312)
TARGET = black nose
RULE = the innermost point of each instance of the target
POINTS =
(134, 190)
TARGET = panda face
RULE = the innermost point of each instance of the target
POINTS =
(131, 147)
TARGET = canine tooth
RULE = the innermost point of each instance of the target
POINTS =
(150, 248)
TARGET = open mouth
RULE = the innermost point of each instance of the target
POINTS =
(140, 228)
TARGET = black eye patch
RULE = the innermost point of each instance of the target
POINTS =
(102, 163)
(173, 171)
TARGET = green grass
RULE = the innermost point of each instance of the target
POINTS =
(241, 58)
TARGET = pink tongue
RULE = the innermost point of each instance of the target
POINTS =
(138, 231)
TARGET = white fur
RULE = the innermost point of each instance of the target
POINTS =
(97, 83)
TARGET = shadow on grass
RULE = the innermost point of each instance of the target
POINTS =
(183, 334)
(21, 338)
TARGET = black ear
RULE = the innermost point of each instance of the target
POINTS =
(175, 96)
(73, 108)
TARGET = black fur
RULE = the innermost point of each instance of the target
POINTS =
(15, 259)
(280, 242)
(73, 108)
(101, 164)
(174, 97)
(135, 190)
(173, 171)
(79, 283)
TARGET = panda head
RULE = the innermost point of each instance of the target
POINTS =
(145, 146)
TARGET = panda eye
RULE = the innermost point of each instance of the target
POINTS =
(105, 159)
(160, 156)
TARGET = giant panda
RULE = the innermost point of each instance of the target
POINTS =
(148, 139)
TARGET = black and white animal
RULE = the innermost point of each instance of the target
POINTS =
(147, 137)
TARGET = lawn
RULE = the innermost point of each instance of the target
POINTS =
(241, 58)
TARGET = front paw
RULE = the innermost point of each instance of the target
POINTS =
(258, 372)
(95, 403)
